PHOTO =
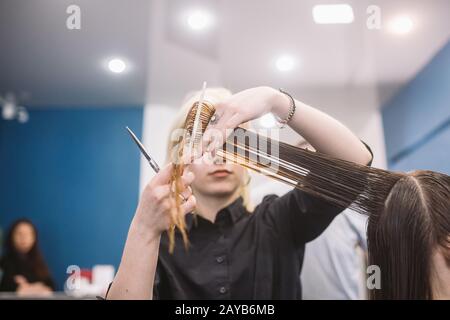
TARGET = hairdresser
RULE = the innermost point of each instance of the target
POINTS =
(236, 251)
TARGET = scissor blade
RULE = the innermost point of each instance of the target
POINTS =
(143, 151)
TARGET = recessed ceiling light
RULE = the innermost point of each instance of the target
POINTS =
(199, 20)
(267, 121)
(401, 25)
(117, 65)
(333, 13)
(285, 63)
(9, 110)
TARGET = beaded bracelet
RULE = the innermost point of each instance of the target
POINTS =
(282, 123)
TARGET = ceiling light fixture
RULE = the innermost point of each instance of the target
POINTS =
(9, 110)
(285, 63)
(22, 115)
(199, 20)
(401, 25)
(117, 65)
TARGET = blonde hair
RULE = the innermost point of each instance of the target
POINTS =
(213, 96)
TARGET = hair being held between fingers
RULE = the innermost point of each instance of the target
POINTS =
(158, 198)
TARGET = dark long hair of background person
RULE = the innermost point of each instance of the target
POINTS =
(31, 265)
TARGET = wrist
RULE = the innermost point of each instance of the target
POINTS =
(280, 104)
(142, 232)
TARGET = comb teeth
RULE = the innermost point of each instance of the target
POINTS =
(194, 139)
(207, 111)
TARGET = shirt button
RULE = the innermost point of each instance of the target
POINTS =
(222, 290)
(219, 259)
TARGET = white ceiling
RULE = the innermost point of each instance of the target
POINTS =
(52, 65)
(250, 34)
(55, 66)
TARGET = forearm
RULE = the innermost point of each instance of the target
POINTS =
(136, 274)
(323, 132)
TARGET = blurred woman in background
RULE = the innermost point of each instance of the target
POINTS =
(23, 267)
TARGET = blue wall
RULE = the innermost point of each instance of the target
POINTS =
(75, 173)
(417, 120)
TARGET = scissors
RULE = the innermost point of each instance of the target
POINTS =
(147, 156)
(141, 147)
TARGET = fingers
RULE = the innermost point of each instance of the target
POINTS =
(190, 202)
(217, 129)
(217, 133)
(187, 179)
(214, 139)
(224, 132)
(160, 193)
(163, 176)
(20, 280)
(188, 157)
(234, 121)
(189, 205)
(186, 193)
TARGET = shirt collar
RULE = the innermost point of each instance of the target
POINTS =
(235, 209)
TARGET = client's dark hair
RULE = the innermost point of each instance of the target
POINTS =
(403, 236)
(409, 213)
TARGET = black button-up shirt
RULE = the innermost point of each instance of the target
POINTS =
(244, 255)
